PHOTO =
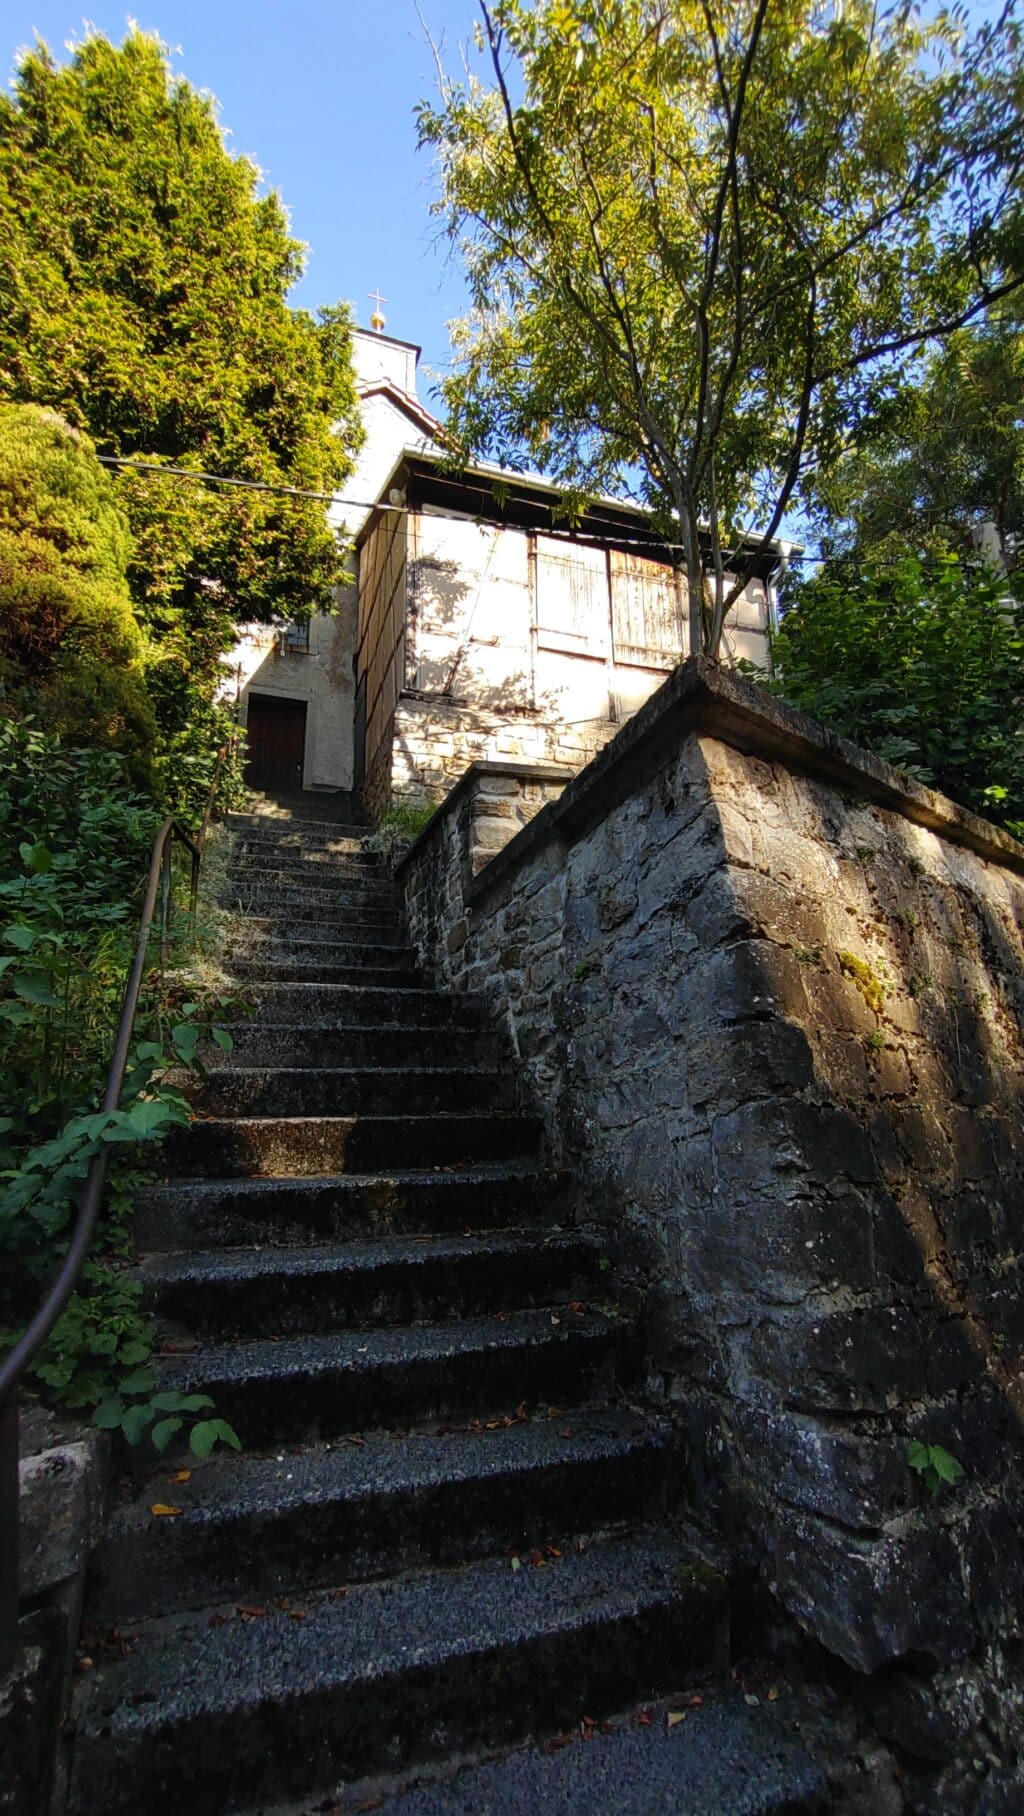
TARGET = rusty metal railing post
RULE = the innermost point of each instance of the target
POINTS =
(165, 905)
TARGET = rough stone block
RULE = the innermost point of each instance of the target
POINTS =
(857, 1477)
(59, 1496)
(873, 1601)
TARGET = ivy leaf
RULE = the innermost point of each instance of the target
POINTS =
(223, 1038)
(163, 1431)
(946, 1466)
(37, 857)
(108, 1414)
(139, 1381)
(20, 936)
(136, 1420)
(34, 987)
(204, 1436)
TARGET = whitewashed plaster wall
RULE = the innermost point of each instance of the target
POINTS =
(514, 649)
(323, 676)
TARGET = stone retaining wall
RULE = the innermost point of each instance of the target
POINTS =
(768, 997)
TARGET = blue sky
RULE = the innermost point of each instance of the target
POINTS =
(320, 93)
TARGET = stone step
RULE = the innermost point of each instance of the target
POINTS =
(346, 1090)
(345, 954)
(325, 1044)
(724, 1758)
(355, 1005)
(297, 823)
(203, 1716)
(341, 877)
(383, 928)
(297, 1146)
(331, 857)
(281, 1212)
(330, 892)
(252, 1527)
(287, 908)
(298, 1389)
(397, 973)
(283, 1291)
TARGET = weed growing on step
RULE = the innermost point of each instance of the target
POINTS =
(399, 827)
(934, 1465)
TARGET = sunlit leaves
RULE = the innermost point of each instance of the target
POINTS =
(695, 236)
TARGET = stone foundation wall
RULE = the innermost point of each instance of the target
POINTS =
(435, 740)
(769, 1000)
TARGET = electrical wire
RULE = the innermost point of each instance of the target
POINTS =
(130, 465)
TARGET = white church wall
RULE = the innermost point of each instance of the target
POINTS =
(322, 675)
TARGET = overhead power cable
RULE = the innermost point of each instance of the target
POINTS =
(130, 465)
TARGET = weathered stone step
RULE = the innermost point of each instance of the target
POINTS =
(347, 1090)
(292, 1146)
(398, 974)
(254, 1527)
(324, 1043)
(301, 1388)
(281, 1291)
(382, 928)
(724, 1758)
(315, 818)
(346, 954)
(296, 825)
(201, 1717)
(330, 892)
(354, 1005)
(230, 1212)
(330, 857)
(296, 908)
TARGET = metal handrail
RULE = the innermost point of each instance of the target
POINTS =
(15, 1363)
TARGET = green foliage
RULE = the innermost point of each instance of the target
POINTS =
(70, 646)
(74, 849)
(143, 285)
(399, 827)
(934, 1465)
(702, 239)
(921, 662)
(938, 456)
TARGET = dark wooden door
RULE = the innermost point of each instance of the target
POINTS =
(277, 742)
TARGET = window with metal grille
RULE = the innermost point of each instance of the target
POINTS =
(295, 637)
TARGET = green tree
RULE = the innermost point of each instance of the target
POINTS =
(923, 662)
(701, 236)
(143, 286)
(71, 649)
(939, 457)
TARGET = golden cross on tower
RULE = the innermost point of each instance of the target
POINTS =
(377, 320)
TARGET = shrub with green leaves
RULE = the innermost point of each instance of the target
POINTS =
(922, 662)
(71, 648)
(75, 840)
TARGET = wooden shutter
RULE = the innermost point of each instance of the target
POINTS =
(572, 598)
(646, 619)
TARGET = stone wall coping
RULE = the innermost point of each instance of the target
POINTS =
(701, 696)
(484, 766)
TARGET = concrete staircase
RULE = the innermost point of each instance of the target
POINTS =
(447, 1530)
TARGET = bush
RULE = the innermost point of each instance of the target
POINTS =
(75, 840)
(922, 662)
(70, 647)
